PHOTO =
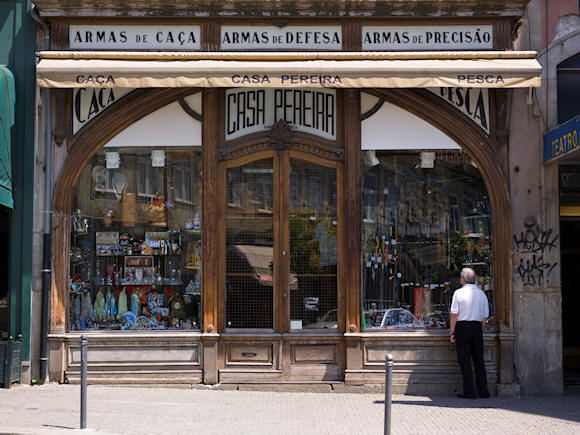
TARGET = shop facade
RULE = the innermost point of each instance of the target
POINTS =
(281, 199)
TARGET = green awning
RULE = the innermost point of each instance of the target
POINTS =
(7, 97)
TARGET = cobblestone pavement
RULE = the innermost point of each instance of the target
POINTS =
(54, 408)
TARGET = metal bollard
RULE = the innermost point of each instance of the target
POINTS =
(388, 392)
(84, 348)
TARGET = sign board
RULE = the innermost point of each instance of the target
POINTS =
(473, 102)
(90, 102)
(562, 140)
(128, 37)
(253, 110)
(311, 303)
(294, 38)
(461, 37)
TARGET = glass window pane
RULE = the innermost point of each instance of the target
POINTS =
(313, 247)
(136, 251)
(250, 246)
(420, 226)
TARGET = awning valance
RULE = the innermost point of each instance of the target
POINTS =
(506, 69)
(7, 100)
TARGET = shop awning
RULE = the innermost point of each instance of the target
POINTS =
(7, 100)
(492, 69)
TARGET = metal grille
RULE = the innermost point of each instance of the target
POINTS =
(250, 246)
(313, 247)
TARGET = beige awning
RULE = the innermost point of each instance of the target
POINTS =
(491, 69)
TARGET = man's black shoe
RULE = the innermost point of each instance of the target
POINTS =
(465, 396)
(484, 396)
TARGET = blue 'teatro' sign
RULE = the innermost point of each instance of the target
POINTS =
(562, 140)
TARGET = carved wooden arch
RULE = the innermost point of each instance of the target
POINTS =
(83, 147)
(484, 152)
(280, 136)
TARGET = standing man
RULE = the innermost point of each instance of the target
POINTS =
(469, 313)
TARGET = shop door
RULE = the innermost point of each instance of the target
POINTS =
(281, 232)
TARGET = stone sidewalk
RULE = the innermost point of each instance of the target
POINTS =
(54, 408)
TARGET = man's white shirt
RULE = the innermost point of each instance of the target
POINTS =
(470, 303)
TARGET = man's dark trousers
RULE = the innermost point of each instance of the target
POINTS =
(469, 342)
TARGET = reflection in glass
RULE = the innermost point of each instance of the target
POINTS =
(313, 247)
(250, 246)
(136, 241)
(423, 221)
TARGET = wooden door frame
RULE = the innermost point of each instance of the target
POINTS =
(281, 166)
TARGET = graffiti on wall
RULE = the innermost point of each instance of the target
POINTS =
(532, 244)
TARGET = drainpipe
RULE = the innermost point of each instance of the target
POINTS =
(46, 254)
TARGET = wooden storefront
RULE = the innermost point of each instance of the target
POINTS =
(216, 353)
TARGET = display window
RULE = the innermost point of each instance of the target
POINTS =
(425, 216)
(136, 242)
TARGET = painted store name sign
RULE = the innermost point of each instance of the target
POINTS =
(374, 38)
(90, 102)
(95, 37)
(473, 102)
(254, 110)
(286, 38)
(377, 38)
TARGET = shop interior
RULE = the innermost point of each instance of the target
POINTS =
(425, 216)
(136, 241)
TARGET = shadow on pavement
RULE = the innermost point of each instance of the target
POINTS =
(563, 407)
(59, 427)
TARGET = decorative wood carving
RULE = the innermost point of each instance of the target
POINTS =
(280, 138)
(280, 135)
(189, 110)
(59, 132)
(373, 109)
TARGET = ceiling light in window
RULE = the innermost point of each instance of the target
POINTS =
(157, 158)
(427, 159)
(113, 160)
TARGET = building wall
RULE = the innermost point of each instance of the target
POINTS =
(552, 12)
(535, 202)
(17, 51)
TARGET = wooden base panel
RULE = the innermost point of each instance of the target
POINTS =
(182, 377)
(423, 364)
(241, 376)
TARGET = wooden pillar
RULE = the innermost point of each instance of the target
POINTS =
(352, 141)
(211, 209)
(281, 242)
(352, 36)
